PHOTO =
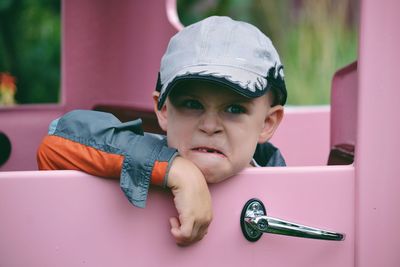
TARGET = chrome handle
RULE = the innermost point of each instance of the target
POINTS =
(254, 222)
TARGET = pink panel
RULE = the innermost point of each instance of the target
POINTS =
(25, 126)
(378, 143)
(112, 51)
(344, 106)
(303, 136)
(67, 218)
(111, 54)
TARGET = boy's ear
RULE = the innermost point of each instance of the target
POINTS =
(161, 114)
(271, 123)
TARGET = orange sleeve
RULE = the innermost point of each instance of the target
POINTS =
(57, 153)
(160, 169)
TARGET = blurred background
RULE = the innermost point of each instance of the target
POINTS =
(313, 37)
(29, 51)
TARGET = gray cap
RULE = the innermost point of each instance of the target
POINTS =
(222, 50)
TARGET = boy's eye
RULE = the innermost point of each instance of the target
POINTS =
(192, 104)
(236, 109)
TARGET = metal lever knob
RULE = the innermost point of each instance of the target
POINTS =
(254, 222)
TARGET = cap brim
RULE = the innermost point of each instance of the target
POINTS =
(244, 82)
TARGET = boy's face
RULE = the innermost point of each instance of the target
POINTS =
(216, 128)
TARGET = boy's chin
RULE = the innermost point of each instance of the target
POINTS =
(213, 179)
(214, 169)
(215, 175)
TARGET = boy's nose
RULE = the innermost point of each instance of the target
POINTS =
(210, 123)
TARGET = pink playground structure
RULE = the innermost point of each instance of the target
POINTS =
(69, 218)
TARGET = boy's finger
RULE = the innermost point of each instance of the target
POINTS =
(184, 233)
(187, 229)
(174, 222)
(175, 230)
(202, 231)
(188, 232)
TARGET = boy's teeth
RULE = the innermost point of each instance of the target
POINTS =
(207, 150)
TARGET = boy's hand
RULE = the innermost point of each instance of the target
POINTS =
(192, 201)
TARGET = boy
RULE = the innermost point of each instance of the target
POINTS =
(219, 97)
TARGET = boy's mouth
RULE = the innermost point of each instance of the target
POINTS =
(208, 150)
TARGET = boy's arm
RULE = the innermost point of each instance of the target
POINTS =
(99, 144)
(192, 201)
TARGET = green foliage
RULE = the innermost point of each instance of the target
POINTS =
(314, 38)
(30, 48)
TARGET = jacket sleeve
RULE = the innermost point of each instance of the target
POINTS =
(99, 144)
